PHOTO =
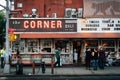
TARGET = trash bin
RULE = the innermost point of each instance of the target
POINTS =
(43, 67)
(19, 68)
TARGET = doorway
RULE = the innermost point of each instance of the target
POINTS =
(77, 46)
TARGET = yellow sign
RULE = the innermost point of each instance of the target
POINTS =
(12, 37)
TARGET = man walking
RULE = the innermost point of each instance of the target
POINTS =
(57, 54)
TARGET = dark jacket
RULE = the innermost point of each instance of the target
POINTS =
(88, 55)
(95, 57)
(101, 54)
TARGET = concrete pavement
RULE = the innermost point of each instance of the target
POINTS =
(65, 70)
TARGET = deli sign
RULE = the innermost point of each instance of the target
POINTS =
(43, 25)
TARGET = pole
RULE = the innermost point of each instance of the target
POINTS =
(7, 65)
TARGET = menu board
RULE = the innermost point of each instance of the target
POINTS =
(98, 25)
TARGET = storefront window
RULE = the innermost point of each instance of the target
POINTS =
(22, 45)
(119, 43)
(119, 46)
(33, 45)
(110, 49)
(63, 44)
(14, 46)
(109, 45)
(91, 44)
(46, 45)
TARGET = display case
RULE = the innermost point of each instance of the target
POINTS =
(27, 59)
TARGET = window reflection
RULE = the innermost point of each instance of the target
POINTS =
(108, 43)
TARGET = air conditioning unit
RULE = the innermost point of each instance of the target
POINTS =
(80, 12)
(19, 5)
(73, 13)
(12, 8)
(25, 15)
(54, 15)
(68, 12)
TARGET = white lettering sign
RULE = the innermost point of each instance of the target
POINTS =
(98, 25)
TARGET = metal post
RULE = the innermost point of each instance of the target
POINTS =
(33, 67)
(7, 65)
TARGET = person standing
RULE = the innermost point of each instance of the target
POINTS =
(95, 58)
(88, 58)
(2, 57)
(9, 54)
(75, 56)
(57, 54)
(109, 59)
(102, 58)
(116, 55)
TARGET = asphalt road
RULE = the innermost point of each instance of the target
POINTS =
(61, 78)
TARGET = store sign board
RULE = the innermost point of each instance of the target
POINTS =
(43, 25)
(99, 25)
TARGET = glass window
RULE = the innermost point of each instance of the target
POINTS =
(63, 44)
(119, 43)
(47, 45)
(91, 43)
(110, 49)
(22, 45)
(15, 46)
(119, 49)
(33, 45)
(119, 46)
(108, 43)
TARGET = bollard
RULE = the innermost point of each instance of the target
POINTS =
(33, 67)
(43, 67)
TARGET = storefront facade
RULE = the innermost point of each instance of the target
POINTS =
(72, 25)
(74, 34)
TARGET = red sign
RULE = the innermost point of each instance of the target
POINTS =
(10, 30)
(44, 25)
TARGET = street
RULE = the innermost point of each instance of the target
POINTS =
(60, 78)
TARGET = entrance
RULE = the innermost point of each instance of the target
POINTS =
(77, 44)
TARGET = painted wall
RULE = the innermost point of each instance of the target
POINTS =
(47, 7)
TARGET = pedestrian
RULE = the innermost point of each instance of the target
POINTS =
(102, 58)
(109, 59)
(88, 58)
(7, 56)
(95, 58)
(75, 56)
(57, 54)
(2, 51)
(116, 55)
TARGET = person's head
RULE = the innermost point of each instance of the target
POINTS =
(101, 48)
(96, 49)
(74, 50)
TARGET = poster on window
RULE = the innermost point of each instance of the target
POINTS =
(101, 8)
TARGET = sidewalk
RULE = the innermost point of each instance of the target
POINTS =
(65, 71)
